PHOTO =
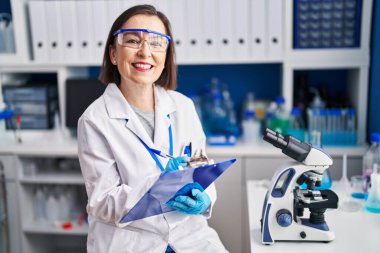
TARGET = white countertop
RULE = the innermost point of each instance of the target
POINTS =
(55, 143)
(354, 232)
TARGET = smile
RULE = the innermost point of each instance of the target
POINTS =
(142, 66)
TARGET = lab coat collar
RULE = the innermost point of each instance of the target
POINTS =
(119, 108)
(164, 106)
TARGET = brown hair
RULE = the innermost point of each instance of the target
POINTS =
(109, 72)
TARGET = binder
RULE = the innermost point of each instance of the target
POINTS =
(242, 39)
(69, 30)
(54, 33)
(194, 23)
(258, 28)
(163, 6)
(113, 10)
(84, 24)
(126, 4)
(177, 18)
(100, 29)
(149, 2)
(210, 31)
(275, 28)
(154, 200)
(226, 28)
(38, 30)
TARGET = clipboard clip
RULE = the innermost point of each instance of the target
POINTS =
(198, 159)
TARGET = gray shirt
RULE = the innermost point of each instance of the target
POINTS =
(146, 119)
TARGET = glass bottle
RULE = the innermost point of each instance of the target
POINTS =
(371, 160)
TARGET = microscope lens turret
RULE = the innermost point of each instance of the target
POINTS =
(289, 145)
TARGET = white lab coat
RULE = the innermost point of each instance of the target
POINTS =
(118, 170)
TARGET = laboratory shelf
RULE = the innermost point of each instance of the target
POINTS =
(68, 148)
(54, 178)
(12, 66)
(37, 228)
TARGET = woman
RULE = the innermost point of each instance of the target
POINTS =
(138, 113)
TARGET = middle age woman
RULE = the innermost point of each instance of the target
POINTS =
(118, 134)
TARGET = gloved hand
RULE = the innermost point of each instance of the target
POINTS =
(190, 199)
(175, 162)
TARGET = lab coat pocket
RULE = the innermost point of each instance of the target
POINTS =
(124, 240)
(108, 238)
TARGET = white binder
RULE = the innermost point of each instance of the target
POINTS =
(38, 30)
(100, 29)
(54, 33)
(85, 26)
(242, 39)
(177, 18)
(226, 28)
(210, 38)
(69, 25)
(194, 23)
(150, 2)
(126, 4)
(275, 28)
(258, 28)
(163, 6)
(113, 10)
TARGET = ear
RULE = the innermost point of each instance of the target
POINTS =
(112, 54)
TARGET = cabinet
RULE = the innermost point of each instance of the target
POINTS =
(7, 162)
(230, 215)
(227, 216)
(28, 234)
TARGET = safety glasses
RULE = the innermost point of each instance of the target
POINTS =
(134, 38)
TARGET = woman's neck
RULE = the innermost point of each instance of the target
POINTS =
(140, 96)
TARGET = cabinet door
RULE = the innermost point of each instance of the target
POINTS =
(259, 168)
(227, 212)
(12, 215)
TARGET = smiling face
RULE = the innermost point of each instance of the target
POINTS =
(139, 66)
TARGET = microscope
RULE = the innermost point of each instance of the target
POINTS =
(284, 217)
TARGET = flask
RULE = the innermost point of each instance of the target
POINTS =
(297, 126)
(373, 201)
(371, 160)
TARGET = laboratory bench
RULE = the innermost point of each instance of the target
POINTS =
(354, 231)
(230, 213)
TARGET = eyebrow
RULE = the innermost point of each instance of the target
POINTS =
(134, 33)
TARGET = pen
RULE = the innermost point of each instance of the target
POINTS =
(160, 153)
(187, 150)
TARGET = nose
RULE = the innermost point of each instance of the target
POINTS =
(144, 49)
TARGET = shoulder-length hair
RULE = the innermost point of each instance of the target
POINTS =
(109, 72)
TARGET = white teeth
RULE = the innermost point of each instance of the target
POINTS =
(142, 66)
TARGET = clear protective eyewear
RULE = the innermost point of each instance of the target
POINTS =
(134, 38)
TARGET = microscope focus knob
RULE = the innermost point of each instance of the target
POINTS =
(284, 218)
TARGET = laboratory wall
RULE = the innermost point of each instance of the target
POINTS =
(374, 83)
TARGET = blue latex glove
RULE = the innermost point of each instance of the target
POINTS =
(190, 199)
(175, 162)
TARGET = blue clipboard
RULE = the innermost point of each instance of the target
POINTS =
(154, 200)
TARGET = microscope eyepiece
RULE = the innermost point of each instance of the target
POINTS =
(275, 138)
(289, 145)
